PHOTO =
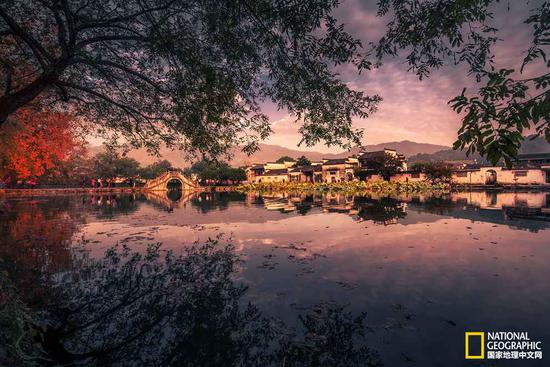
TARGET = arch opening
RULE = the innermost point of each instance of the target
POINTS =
(490, 177)
(174, 184)
(174, 189)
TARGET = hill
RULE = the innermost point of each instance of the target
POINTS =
(536, 145)
(406, 147)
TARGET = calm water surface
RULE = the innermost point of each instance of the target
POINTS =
(424, 269)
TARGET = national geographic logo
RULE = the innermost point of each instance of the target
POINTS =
(475, 345)
(501, 345)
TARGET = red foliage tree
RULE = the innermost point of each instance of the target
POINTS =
(35, 142)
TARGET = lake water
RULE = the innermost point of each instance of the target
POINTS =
(424, 269)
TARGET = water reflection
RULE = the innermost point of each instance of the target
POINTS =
(424, 268)
(384, 211)
(497, 207)
(110, 206)
(158, 309)
(169, 200)
(35, 238)
(377, 208)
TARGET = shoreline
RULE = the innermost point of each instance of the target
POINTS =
(68, 191)
(362, 185)
(62, 191)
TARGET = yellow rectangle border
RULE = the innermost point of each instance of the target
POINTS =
(467, 349)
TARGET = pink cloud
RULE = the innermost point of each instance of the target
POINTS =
(413, 109)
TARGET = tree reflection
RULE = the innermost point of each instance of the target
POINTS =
(304, 205)
(159, 309)
(36, 241)
(113, 205)
(384, 211)
(439, 205)
(208, 201)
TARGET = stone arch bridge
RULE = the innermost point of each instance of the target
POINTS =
(161, 182)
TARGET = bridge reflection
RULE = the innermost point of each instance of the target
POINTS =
(170, 200)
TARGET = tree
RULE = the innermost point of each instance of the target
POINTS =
(437, 171)
(74, 170)
(419, 167)
(303, 161)
(155, 169)
(216, 171)
(34, 142)
(110, 164)
(285, 158)
(385, 165)
(436, 33)
(188, 73)
(237, 174)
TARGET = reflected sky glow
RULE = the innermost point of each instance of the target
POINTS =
(425, 269)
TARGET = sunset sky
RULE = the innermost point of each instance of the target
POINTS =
(412, 109)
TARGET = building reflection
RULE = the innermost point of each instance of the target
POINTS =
(36, 235)
(389, 210)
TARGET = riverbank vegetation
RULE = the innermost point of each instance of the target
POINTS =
(352, 187)
(69, 168)
(215, 173)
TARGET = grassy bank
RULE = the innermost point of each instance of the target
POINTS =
(347, 187)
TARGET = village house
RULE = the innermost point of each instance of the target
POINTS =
(253, 171)
(328, 170)
(530, 169)
(339, 170)
(503, 176)
(540, 159)
(273, 175)
(258, 169)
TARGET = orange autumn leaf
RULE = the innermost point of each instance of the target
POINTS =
(35, 141)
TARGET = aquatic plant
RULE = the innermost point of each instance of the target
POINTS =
(352, 187)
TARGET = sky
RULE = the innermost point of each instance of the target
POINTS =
(411, 109)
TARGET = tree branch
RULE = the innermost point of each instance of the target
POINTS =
(126, 70)
(124, 18)
(127, 109)
(121, 37)
(37, 49)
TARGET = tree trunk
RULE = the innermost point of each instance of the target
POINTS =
(12, 102)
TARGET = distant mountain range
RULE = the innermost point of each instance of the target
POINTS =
(270, 153)
(537, 145)
(267, 153)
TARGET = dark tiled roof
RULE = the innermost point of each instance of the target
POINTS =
(335, 161)
(371, 154)
(273, 172)
(534, 156)
(309, 168)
